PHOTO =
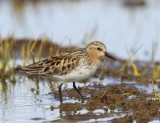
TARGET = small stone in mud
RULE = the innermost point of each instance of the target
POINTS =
(52, 108)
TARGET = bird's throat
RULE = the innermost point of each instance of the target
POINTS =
(94, 56)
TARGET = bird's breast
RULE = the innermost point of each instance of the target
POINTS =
(78, 74)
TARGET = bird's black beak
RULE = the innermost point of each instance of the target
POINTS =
(109, 55)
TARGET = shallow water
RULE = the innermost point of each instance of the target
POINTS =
(20, 104)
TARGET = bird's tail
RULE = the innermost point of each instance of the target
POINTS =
(28, 69)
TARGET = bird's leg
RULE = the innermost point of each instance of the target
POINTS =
(60, 92)
(74, 86)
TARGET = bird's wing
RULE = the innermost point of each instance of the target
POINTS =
(56, 65)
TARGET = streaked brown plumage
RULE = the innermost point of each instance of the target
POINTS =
(71, 66)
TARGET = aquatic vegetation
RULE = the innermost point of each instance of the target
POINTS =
(101, 74)
(6, 57)
(156, 71)
(157, 96)
(26, 51)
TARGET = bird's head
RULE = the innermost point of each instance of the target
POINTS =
(98, 50)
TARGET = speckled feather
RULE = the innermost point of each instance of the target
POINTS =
(59, 64)
(74, 65)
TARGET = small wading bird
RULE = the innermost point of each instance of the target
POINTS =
(71, 66)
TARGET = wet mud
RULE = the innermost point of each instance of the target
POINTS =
(112, 99)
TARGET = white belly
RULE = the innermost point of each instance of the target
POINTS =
(79, 74)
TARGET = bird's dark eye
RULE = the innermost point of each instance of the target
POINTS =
(99, 49)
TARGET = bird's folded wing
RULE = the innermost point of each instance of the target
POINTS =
(57, 65)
